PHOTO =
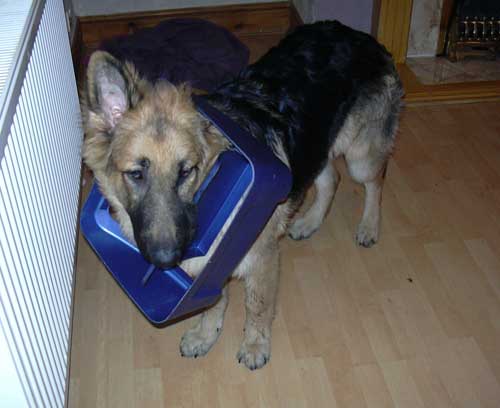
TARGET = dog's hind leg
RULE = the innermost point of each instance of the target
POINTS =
(326, 185)
(198, 340)
(370, 134)
(366, 165)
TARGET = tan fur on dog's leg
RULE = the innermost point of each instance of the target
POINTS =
(261, 286)
(368, 229)
(198, 340)
(371, 174)
(326, 185)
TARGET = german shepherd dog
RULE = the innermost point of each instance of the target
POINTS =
(325, 91)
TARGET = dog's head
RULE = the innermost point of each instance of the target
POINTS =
(149, 150)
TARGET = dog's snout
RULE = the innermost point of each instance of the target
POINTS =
(165, 258)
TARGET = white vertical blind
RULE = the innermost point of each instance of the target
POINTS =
(39, 190)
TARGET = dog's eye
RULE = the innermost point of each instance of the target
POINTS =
(184, 173)
(135, 175)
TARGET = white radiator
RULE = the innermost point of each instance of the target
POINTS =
(39, 189)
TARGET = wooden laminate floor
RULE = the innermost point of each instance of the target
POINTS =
(412, 322)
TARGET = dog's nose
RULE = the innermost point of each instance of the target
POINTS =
(166, 258)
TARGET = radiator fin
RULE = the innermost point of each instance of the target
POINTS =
(39, 190)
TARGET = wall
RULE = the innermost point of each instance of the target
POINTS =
(305, 9)
(354, 13)
(102, 7)
(424, 28)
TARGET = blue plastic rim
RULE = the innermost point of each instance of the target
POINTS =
(251, 171)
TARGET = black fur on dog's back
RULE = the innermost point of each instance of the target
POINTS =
(302, 91)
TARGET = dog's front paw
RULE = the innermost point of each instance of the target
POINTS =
(196, 342)
(254, 355)
(367, 235)
(302, 228)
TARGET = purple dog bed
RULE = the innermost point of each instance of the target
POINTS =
(182, 50)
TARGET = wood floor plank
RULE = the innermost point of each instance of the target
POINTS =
(428, 382)
(401, 385)
(148, 390)
(487, 262)
(317, 388)
(403, 322)
(285, 372)
(373, 385)
(354, 334)
(484, 382)
(454, 375)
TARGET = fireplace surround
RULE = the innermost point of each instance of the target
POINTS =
(473, 29)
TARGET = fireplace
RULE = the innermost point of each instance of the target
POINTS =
(472, 28)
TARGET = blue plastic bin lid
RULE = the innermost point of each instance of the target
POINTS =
(250, 172)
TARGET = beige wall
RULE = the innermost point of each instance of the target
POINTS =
(354, 13)
(100, 7)
(305, 9)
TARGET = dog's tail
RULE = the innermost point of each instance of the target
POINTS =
(394, 95)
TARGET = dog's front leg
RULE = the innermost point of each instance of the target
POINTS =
(198, 340)
(261, 286)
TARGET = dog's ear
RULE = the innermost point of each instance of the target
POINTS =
(112, 88)
(213, 141)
